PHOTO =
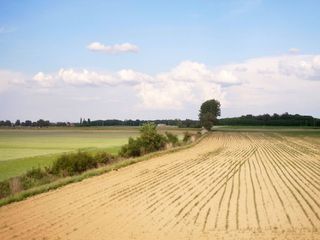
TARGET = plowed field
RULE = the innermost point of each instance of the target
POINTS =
(228, 186)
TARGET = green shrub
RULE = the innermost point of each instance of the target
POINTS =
(134, 148)
(149, 141)
(34, 177)
(171, 138)
(103, 157)
(73, 163)
(187, 137)
(4, 189)
(36, 173)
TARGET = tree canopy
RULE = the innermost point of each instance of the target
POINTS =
(284, 119)
(209, 111)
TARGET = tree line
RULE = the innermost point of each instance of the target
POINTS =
(187, 123)
(28, 123)
(208, 114)
(284, 119)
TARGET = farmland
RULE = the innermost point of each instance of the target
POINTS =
(22, 149)
(231, 185)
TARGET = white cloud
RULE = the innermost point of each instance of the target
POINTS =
(164, 96)
(131, 76)
(44, 80)
(189, 71)
(85, 77)
(189, 82)
(304, 67)
(250, 85)
(117, 48)
(226, 77)
(274, 84)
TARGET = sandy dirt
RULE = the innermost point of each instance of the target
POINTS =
(229, 186)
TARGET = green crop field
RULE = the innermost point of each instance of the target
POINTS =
(22, 149)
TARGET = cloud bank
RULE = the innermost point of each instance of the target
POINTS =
(266, 84)
(187, 82)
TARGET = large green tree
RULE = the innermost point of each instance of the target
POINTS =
(209, 111)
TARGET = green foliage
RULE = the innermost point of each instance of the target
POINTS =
(187, 137)
(104, 157)
(187, 123)
(36, 173)
(171, 138)
(209, 111)
(149, 141)
(4, 189)
(73, 163)
(34, 177)
(132, 149)
(207, 120)
(285, 119)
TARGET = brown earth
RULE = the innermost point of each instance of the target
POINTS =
(229, 186)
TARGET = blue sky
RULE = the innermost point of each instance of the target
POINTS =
(185, 52)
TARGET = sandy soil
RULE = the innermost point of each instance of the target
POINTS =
(229, 186)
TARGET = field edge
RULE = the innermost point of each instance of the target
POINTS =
(92, 173)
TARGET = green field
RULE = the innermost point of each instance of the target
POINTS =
(22, 149)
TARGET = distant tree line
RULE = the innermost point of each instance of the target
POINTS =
(284, 119)
(187, 123)
(28, 123)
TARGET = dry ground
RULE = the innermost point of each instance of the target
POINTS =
(229, 186)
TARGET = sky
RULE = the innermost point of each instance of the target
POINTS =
(65, 60)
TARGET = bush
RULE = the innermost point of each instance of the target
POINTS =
(103, 157)
(187, 137)
(171, 138)
(4, 189)
(149, 141)
(73, 163)
(34, 177)
(36, 173)
(134, 148)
